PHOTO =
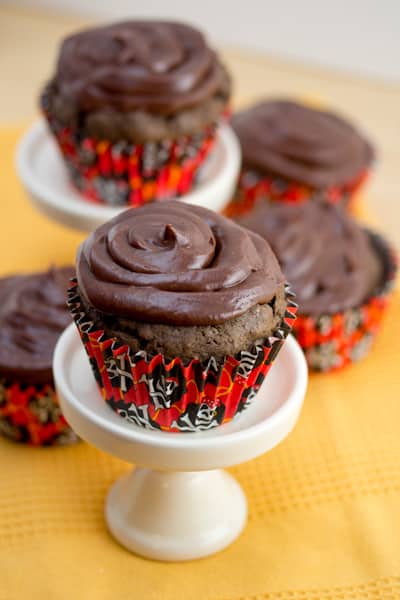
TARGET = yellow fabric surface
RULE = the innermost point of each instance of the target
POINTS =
(324, 506)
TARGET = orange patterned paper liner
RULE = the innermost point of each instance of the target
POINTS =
(157, 393)
(252, 186)
(31, 414)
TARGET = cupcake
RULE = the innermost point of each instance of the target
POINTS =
(341, 273)
(32, 316)
(181, 312)
(134, 107)
(294, 153)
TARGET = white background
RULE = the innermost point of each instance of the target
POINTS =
(358, 36)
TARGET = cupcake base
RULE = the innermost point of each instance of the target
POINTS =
(157, 393)
(126, 174)
(30, 414)
(331, 342)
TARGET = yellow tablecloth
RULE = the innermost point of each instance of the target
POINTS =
(324, 506)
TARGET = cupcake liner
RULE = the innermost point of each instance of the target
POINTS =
(331, 342)
(170, 395)
(123, 173)
(31, 414)
(252, 186)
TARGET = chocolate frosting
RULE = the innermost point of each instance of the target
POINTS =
(301, 144)
(151, 65)
(33, 313)
(327, 258)
(174, 263)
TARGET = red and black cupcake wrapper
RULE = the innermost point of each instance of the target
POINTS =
(31, 414)
(331, 342)
(126, 174)
(252, 186)
(169, 395)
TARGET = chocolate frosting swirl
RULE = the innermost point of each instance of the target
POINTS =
(33, 313)
(157, 66)
(301, 144)
(174, 263)
(327, 258)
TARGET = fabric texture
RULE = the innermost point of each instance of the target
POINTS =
(324, 506)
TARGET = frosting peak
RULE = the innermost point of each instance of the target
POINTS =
(177, 264)
(33, 313)
(325, 255)
(302, 144)
(157, 66)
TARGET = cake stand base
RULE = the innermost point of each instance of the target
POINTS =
(176, 515)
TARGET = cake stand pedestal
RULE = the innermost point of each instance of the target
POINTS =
(177, 504)
(42, 171)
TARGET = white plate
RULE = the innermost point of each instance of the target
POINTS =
(42, 171)
(264, 424)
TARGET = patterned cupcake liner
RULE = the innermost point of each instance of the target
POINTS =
(331, 342)
(31, 414)
(123, 173)
(252, 186)
(169, 395)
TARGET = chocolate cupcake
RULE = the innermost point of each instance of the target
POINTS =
(181, 312)
(341, 273)
(33, 314)
(134, 107)
(295, 153)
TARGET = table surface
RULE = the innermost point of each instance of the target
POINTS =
(28, 45)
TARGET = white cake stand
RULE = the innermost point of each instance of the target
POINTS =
(43, 173)
(178, 504)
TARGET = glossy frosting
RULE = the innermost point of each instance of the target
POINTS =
(326, 256)
(301, 144)
(152, 65)
(33, 313)
(174, 263)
